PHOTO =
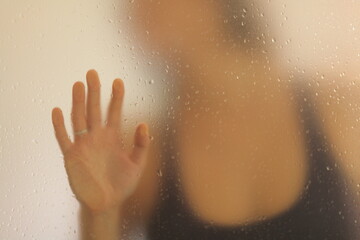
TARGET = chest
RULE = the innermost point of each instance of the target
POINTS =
(237, 168)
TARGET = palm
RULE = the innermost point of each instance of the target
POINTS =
(101, 174)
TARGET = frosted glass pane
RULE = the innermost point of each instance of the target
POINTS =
(252, 109)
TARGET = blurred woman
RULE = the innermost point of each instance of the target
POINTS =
(245, 157)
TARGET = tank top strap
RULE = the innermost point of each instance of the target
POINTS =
(321, 159)
(306, 102)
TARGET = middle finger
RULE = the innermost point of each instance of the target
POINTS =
(93, 100)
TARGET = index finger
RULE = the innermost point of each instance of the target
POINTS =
(114, 110)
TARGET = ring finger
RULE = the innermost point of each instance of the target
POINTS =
(114, 109)
(78, 109)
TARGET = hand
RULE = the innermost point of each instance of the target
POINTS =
(100, 173)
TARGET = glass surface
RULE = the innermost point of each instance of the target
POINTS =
(227, 89)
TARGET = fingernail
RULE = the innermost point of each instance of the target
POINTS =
(144, 131)
(117, 84)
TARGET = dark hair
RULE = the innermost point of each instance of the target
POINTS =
(242, 24)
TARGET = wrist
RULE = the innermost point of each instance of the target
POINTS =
(106, 212)
(101, 225)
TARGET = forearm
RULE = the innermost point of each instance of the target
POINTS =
(102, 225)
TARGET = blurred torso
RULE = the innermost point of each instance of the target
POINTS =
(242, 162)
(237, 163)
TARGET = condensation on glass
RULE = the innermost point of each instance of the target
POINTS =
(252, 107)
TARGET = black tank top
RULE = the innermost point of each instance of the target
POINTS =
(325, 209)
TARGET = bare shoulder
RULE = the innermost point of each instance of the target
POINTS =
(337, 102)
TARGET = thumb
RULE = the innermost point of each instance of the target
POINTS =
(141, 144)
